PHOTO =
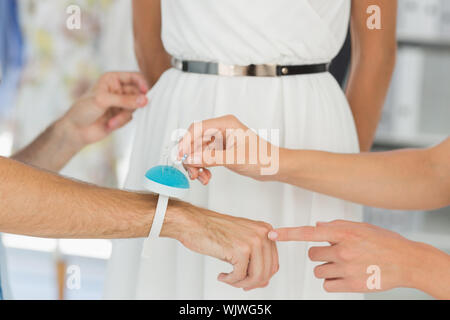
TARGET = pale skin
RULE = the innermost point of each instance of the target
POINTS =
(372, 62)
(404, 179)
(356, 246)
(35, 201)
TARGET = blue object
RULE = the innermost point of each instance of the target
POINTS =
(11, 52)
(168, 176)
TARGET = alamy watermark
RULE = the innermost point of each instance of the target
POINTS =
(73, 281)
(231, 146)
(73, 21)
(374, 280)
(374, 20)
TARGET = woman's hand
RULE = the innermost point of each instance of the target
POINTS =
(241, 242)
(227, 142)
(366, 258)
(108, 106)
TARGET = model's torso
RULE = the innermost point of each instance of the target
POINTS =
(255, 31)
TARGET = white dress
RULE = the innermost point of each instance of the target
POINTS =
(310, 111)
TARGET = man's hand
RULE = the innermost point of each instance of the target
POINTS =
(108, 106)
(357, 246)
(224, 141)
(241, 242)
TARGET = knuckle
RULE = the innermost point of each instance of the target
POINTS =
(344, 254)
(341, 253)
(350, 234)
(245, 249)
(260, 278)
(263, 228)
(256, 241)
(266, 226)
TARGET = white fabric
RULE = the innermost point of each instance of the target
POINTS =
(310, 111)
(158, 218)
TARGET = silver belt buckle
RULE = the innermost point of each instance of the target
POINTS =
(177, 63)
(258, 70)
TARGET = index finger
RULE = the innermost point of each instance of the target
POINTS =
(306, 233)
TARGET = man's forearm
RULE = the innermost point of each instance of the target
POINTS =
(52, 150)
(408, 179)
(42, 204)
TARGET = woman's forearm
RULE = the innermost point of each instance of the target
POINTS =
(38, 203)
(407, 179)
(52, 150)
(366, 93)
(152, 58)
(373, 61)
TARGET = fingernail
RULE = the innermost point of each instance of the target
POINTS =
(273, 235)
(141, 100)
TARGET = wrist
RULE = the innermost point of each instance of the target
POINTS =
(184, 221)
(428, 270)
(68, 135)
(284, 173)
(175, 220)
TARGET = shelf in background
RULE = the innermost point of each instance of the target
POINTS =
(422, 140)
(438, 43)
(99, 249)
(440, 241)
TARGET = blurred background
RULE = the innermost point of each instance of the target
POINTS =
(45, 66)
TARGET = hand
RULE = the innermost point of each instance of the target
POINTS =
(355, 247)
(225, 141)
(108, 106)
(241, 242)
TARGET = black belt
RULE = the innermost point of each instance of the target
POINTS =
(252, 70)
